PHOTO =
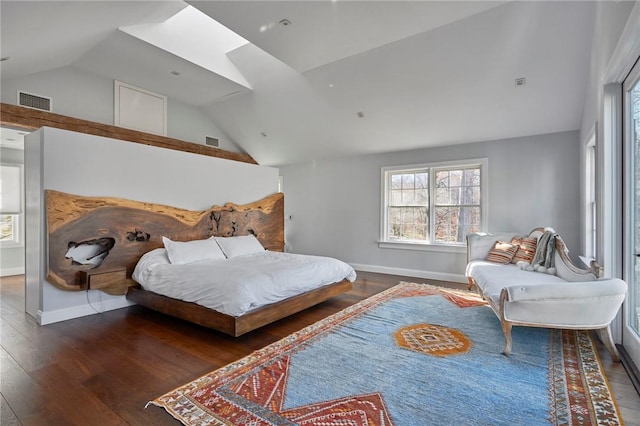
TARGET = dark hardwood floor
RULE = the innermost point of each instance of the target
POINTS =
(103, 369)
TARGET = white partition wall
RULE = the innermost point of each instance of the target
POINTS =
(88, 165)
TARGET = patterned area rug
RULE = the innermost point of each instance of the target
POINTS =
(412, 355)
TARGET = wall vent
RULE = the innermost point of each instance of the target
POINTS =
(212, 141)
(30, 100)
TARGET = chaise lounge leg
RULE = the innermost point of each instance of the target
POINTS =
(607, 340)
(506, 325)
(471, 283)
(506, 329)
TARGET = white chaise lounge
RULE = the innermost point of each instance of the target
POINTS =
(558, 295)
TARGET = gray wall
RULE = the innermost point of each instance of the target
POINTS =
(79, 94)
(11, 258)
(334, 205)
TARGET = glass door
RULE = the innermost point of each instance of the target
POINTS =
(631, 229)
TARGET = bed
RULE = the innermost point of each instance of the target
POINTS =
(127, 247)
(244, 292)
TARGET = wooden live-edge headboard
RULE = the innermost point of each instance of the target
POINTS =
(94, 234)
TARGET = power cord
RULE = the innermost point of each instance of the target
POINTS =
(101, 302)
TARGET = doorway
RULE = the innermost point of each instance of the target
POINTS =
(12, 250)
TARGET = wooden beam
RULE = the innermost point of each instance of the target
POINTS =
(33, 119)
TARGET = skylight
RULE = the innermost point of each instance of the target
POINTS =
(197, 38)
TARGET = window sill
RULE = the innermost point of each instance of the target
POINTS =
(444, 248)
(10, 244)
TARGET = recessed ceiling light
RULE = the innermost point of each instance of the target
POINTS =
(521, 81)
(175, 73)
(6, 58)
(285, 22)
(264, 135)
(360, 114)
(267, 27)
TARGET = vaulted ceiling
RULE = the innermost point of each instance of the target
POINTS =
(304, 80)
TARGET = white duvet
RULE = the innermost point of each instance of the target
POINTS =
(238, 285)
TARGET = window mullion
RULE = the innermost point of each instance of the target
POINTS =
(432, 203)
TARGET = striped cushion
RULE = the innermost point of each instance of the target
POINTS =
(526, 249)
(502, 252)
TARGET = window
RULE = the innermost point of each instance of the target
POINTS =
(10, 204)
(408, 208)
(433, 203)
(9, 228)
(590, 199)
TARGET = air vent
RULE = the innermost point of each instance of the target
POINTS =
(212, 141)
(34, 101)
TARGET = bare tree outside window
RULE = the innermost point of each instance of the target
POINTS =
(432, 204)
(7, 227)
(457, 204)
(408, 208)
(10, 204)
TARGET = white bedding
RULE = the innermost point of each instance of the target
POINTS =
(238, 285)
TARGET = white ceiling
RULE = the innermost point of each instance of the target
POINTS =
(422, 73)
(322, 32)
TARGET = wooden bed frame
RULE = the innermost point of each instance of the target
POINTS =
(95, 243)
(235, 326)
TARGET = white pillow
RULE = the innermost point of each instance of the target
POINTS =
(239, 246)
(192, 251)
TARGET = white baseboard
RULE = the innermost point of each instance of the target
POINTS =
(416, 273)
(7, 272)
(49, 317)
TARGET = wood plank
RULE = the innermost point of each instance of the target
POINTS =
(152, 358)
(31, 355)
(7, 416)
(213, 348)
(79, 406)
(26, 399)
(117, 232)
(109, 390)
(33, 119)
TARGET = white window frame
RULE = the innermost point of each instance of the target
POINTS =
(590, 225)
(18, 223)
(431, 245)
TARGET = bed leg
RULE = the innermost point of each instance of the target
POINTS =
(607, 340)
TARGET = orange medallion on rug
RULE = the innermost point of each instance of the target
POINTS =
(432, 339)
